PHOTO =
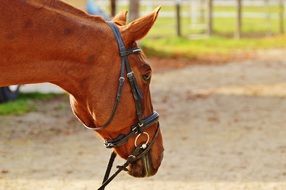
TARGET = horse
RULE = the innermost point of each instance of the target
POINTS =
(51, 41)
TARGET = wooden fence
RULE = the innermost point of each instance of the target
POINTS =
(200, 18)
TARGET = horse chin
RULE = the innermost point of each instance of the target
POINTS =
(142, 167)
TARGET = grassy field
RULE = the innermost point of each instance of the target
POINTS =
(25, 103)
(258, 34)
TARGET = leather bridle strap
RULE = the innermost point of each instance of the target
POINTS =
(142, 123)
(137, 95)
(135, 130)
(125, 66)
(136, 155)
(109, 166)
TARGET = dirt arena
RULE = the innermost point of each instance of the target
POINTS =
(224, 129)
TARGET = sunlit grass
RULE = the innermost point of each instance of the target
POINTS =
(24, 103)
(196, 49)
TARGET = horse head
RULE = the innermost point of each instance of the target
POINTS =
(96, 108)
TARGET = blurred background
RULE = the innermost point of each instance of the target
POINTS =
(219, 84)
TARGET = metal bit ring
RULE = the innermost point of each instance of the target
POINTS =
(137, 137)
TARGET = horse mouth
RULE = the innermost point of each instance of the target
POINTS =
(142, 167)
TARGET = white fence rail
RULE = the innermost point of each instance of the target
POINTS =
(256, 9)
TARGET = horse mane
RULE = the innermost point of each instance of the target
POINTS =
(65, 9)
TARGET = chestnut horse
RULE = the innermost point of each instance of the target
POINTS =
(51, 41)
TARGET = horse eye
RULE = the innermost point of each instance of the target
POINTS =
(147, 76)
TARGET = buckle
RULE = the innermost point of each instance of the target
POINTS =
(137, 128)
(130, 74)
(137, 50)
(129, 51)
(140, 124)
(131, 158)
(121, 79)
(108, 144)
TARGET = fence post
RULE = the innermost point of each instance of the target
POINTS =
(281, 16)
(238, 20)
(210, 17)
(134, 6)
(268, 23)
(178, 18)
(113, 7)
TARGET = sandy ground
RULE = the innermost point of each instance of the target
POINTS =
(224, 128)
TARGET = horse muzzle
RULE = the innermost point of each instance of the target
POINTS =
(145, 166)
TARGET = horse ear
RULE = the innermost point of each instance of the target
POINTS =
(138, 28)
(120, 18)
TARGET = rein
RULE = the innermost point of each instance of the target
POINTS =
(138, 153)
(142, 124)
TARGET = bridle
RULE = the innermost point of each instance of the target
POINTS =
(137, 129)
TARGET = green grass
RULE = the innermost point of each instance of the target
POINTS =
(24, 103)
(202, 48)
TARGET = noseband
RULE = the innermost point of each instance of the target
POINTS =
(142, 124)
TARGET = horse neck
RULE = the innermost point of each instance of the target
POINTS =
(41, 43)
